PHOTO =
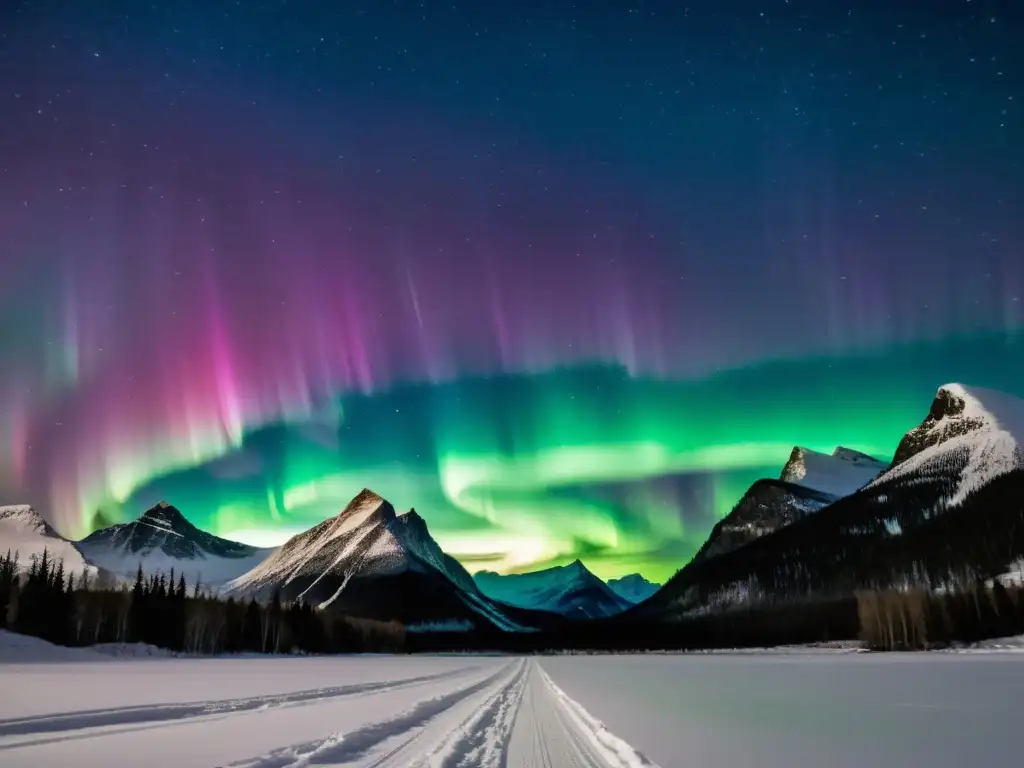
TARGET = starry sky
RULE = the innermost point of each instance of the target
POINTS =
(564, 277)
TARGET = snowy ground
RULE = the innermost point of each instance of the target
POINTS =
(89, 710)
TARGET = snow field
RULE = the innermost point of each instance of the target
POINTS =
(455, 712)
(793, 709)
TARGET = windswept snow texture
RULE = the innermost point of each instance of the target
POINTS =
(838, 474)
(570, 590)
(162, 539)
(976, 433)
(367, 539)
(370, 562)
(715, 711)
(21, 649)
(634, 587)
(24, 531)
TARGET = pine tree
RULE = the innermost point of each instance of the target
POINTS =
(8, 573)
(275, 623)
(44, 567)
(252, 635)
(138, 617)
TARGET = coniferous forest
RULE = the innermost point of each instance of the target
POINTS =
(165, 611)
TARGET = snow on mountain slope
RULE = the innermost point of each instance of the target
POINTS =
(24, 531)
(375, 563)
(367, 537)
(838, 474)
(809, 482)
(634, 587)
(974, 433)
(570, 590)
(162, 539)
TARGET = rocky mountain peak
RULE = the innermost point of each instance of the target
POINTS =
(577, 568)
(948, 417)
(366, 505)
(165, 515)
(26, 517)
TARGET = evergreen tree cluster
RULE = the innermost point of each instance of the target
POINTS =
(161, 610)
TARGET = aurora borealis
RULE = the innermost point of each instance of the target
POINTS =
(565, 279)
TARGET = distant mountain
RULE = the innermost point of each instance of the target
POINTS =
(372, 563)
(634, 587)
(162, 539)
(24, 531)
(809, 482)
(570, 590)
(950, 510)
(837, 474)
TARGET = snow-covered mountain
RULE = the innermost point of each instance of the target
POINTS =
(972, 435)
(162, 539)
(948, 506)
(809, 482)
(837, 474)
(370, 562)
(634, 587)
(24, 531)
(570, 590)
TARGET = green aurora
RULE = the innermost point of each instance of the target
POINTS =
(515, 472)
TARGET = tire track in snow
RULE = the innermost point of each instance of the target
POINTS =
(152, 714)
(515, 717)
(543, 737)
(481, 741)
(554, 731)
(605, 747)
(362, 745)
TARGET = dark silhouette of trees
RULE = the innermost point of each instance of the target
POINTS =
(160, 610)
(916, 619)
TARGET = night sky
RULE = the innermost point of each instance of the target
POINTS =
(564, 277)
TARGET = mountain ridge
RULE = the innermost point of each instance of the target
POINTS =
(162, 538)
(975, 432)
(571, 590)
(837, 474)
(959, 473)
(808, 482)
(25, 532)
(633, 587)
(370, 562)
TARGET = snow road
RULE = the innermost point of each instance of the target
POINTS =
(447, 712)
(712, 711)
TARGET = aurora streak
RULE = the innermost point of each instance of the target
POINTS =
(567, 294)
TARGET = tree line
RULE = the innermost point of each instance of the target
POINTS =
(162, 610)
(796, 623)
(916, 619)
